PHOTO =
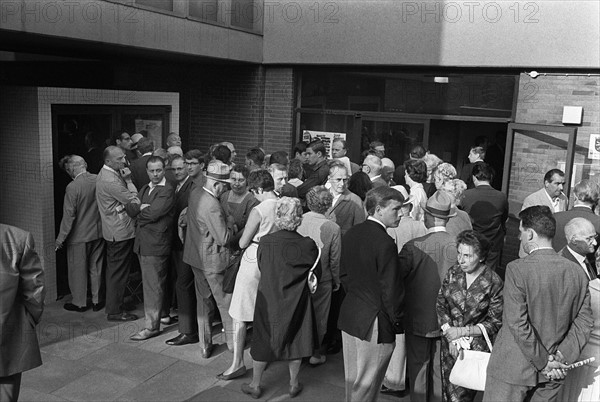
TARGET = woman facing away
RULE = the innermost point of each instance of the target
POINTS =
(260, 223)
(284, 318)
(471, 294)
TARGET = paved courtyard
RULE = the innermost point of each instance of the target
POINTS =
(87, 358)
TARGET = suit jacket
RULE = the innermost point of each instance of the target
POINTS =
(207, 233)
(424, 262)
(112, 195)
(369, 272)
(541, 197)
(565, 252)
(181, 202)
(347, 211)
(466, 174)
(546, 308)
(378, 182)
(562, 218)
(21, 301)
(153, 234)
(488, 209)
(139, 175)
(81, 220)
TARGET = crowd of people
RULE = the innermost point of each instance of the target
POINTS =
(406, 261)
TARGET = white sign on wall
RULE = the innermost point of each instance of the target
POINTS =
(594, 148)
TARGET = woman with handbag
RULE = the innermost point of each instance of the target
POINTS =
(261, 222)
(471, 294)
(284, 320)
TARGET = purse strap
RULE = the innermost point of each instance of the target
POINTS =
(316, 261)
(485, 335)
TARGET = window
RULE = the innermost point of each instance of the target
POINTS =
(166, 5)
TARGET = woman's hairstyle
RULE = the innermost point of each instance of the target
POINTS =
(260, 179)
(456, 188)
(431, 161)
(471, 238)
(241, 169)
(288, 213)
(360, 184)
(319, 199)
(444, 171)
(222, 153)
(416, 170)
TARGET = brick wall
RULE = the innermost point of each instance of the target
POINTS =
(248, 106)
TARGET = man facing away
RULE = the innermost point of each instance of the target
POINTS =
(21, 305)
(424, 262)
(371, 313)
(81, 230)
(113, 192)
(154, 214)
(372, 166)
(208, 233)
(546, 321)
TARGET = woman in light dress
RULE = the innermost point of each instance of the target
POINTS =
(260, 223)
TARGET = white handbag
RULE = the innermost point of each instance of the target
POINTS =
(312, 280)
(470, 371)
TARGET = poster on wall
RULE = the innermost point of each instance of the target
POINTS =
(594, 148)
(153, 129)
(326, 137)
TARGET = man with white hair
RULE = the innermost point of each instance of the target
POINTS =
(582, 239)
(81, 230)
(175, 150)
(372, 167)
(387, 171)
(173, 140)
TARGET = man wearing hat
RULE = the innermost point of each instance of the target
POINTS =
(208, 231)
(423, 264)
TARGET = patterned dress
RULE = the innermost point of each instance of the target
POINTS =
(458, 306)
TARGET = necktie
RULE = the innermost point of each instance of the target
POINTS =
(590, 269)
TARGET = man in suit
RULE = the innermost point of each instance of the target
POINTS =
(184, 285)
(582, 240)
(21, 305)
(488, 209)
(586, 194)
(154, 214)
(551, 195)
(139, 177)
(317, 169)
(81, 229)
(476, 156)
(372, 166)
(113, 192)
(371, 314)
(547, 318)
(208, 233)
(423, 264)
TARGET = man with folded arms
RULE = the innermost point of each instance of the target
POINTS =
(547, 318)
(208, 233)
(154, 215)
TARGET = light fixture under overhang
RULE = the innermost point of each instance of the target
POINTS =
(440, 80)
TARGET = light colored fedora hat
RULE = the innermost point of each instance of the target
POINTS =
(218, 171)
(439, 205)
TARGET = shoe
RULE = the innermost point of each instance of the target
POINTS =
(317, 361)
(295, 390)
(183, 339)
(98, 306)
(145, 334)
(237, 373)
(121, 317)
(253, 392)
(207, 351)
(334, 348)
(168, 320)
(393, 392)
(72, 307)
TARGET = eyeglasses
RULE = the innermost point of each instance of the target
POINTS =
(591, 239)
(339, 180)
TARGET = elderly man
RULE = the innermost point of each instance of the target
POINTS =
(316, 155)
(551, 195)
(371, 314)
(581, 238)
(154, 214)
(547, 318)
(139, 177)
(372, 166)
(346, 209)
(184, 285)
(113, 192)
(586, 195)
(208, 232)
(488, 209)
(423, 264)
(21, 305)
(173, 140)
(339, 151)
(280, 178)
(81, 230)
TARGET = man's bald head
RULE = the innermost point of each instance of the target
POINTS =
(374, 165)
(581, 235)
(114, 157)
